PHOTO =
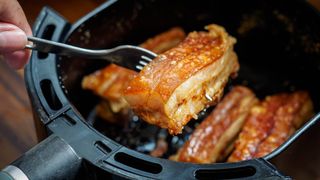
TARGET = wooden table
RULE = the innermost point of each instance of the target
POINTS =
(17, 133)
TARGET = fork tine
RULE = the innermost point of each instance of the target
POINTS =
(146, 58)
(143, 63)
(139, 67)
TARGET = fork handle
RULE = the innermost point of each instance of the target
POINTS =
(47, 46)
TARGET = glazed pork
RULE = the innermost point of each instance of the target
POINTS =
(257, 127)
(270, 124)
(288, 118)
(210, 140)
(165, 41)
(110, 81)
(179, 83)
(109, 84)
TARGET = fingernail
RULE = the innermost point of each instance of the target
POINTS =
(13, 40)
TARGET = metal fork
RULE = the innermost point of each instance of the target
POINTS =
(128, 56)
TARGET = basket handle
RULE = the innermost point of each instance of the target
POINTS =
(52, 158)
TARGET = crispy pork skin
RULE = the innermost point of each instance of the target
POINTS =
(165, 41)
(295, 112)
(110, 81)
(271, 123)
(182, 81)
(257, 128)
(109, 84)
(212, 137)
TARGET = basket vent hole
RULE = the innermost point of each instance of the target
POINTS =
(47, 34)
(102, 147)
(243, 172)
(69, 120)
(137, 163)
(50, 95)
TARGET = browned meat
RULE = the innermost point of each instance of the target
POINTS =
(257, 127)
(110, 81)
(288, 118)
(161, 148)
(270, 124)
(104, 111)
(182, 81)
(165, 40)
(109, 84)
(212, 137)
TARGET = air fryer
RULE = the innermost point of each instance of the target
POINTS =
(278, 50)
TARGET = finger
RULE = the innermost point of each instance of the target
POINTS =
(11, 38)
(17, 59)
(11, 12)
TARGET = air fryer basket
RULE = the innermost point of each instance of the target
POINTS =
(278, 45)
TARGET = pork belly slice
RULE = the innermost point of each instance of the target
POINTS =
(161, 148)
(271, 123)
(109, 84)
(288, 118)
(104, 111)
(214, 135)
(182, 81)
(110, 81)
(258, 126)
(165, 41)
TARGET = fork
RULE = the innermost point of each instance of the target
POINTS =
(128, 56)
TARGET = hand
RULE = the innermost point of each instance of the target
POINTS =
(14, 29)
